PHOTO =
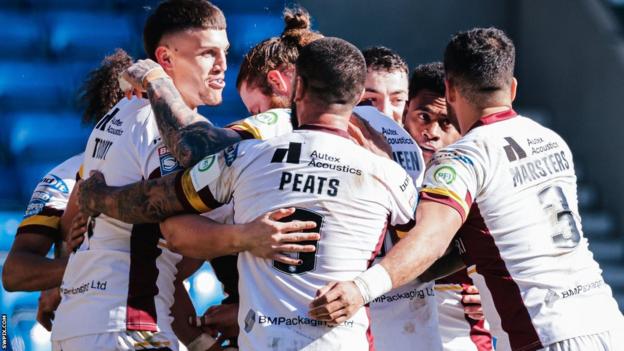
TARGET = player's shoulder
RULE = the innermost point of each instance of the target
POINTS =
(265, 125)
(68, 168)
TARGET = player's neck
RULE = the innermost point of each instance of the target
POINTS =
(327, 117)
(474, 114)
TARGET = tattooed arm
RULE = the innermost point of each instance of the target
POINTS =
(189, 135)
(147, 201)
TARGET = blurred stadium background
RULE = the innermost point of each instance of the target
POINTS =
(570, 66)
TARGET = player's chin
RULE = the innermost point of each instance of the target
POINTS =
(213, 98)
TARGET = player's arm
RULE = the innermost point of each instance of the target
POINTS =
(265, 237)
(408, 259)
(189, 135)
(147, 201)
(27, 268)
(448, 264)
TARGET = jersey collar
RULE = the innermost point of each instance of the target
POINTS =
(326, 129)
(494, 117)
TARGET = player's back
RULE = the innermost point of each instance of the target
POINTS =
(122, 274)
(538, 280)
(351, 193)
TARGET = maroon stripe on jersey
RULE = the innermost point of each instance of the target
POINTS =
(188, 208)
(142, 288)
(206, 196)
(481, 250)
(493, 118)
(49, 211)
(480, 336)
(369, 332)
(445, 200)
(245, 135)
(53, 233)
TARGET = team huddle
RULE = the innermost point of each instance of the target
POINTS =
(358, 208)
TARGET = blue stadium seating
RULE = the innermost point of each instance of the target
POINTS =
(246, 30)
(22, 35)
(205, 290)
(8, 226)
(9, 191)
(87, 35)
(39, 85)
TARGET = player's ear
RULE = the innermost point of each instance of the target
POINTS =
(449, 90)
(299, 92)
(513, 88)
(279, 82)
(164, 58)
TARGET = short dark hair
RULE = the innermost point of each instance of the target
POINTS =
(480, 61)
(333, 70)
(429, 76)
(173, 16)
(100, 91)
(277, 52)
(381, 58)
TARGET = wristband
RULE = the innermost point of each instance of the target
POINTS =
(153, 74)
(201, 343)
(373, 283)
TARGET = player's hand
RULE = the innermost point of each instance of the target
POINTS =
(219, 320)
(90, 192)
(48, 302)
(266, 237)
(363, 134)
(135, 78)
(336, 302)
(77, 231)
(471, 300)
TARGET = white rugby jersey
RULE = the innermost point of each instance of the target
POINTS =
(121, 278)
(49, 200)
(406, 317)
(351, 193)
(514, 185)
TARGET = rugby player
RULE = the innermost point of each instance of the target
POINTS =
(316, 168)
(386, 82)
(403, 317)
(132, 280)
(27, 267)
(462, 326)
(508, 186)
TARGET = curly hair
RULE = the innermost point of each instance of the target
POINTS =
(177, 15)
(100, 91)
(481, 61)
(381, 58)
(277, 52)
(429, 76)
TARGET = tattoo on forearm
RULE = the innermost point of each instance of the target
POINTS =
(148, 201)
(188, 135)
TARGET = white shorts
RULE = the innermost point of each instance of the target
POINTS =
(612, 340)
(119, 341)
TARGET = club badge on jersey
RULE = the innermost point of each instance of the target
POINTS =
(168, 163)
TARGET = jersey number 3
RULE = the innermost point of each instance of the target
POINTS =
(308, 258)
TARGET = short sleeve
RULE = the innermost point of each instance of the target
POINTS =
(47, 205)
(403, 196)
(265, 125)
(454, 177)
(210, 183)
